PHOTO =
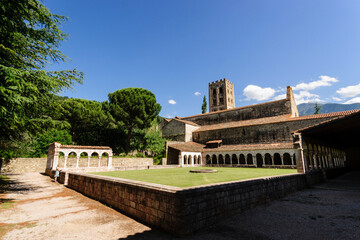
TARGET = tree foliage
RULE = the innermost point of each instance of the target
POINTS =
(204, 105)
(317, 108)
(133, 108)
(29, 41)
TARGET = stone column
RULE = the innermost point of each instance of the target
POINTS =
(77, 160)
(109, 161)
(263, 160)
(99, 160)
(89, 156)
(254, 160)
(65, 160)
(292, 160)
(282, 159)
(181, 160)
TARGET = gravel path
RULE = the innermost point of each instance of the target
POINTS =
(46, 210)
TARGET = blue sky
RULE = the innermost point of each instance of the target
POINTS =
(175, 48)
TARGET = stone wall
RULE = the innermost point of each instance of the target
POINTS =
(181, 211)
(131, 162)
(174, 130)
(24, 165)
(266, 133)
(263, 110)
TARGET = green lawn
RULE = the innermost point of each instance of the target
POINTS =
(181, 177)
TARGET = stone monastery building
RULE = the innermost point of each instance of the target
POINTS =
(270, 134)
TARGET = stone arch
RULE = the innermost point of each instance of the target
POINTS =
(199, 159)
(227, 159)
(234, 159)
(242, 159)
(249, 159)
(259, 160)
(61, 159)
(208, 159)
(277, 159)
(189, 159)
(71, 160)
(214, 159)
(104, 159)
(221, 159)
(268, 159)
(94, 159)
(83, 160)
(287, 159)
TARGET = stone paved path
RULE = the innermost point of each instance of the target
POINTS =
(46, 210)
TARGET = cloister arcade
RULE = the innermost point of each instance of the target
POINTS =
(190, 159)
(320, 157)
(270, 158)
(71, 156)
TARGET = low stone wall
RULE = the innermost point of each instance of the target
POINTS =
(131, 162)
(24, 165)
(181, 211)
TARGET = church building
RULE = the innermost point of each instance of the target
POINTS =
(262, 135)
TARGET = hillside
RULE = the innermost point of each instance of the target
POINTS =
(308, 108)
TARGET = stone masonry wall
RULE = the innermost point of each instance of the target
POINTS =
(181, 211)
(267, 133)
(24, 165)
(269, 109)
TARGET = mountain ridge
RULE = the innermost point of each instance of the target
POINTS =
(309, 108)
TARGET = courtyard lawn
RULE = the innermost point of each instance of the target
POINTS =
(181, 177)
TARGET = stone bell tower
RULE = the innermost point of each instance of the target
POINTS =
(221, 95)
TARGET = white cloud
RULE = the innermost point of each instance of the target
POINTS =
(171, 101)
(306, 97)
(322, 82)
(302, 97)
(349, 91)
(197, 93)
(169, 116)
(278, 97)
(253, 92)
(353, 100)
(337, 99)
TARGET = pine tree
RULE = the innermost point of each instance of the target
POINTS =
(204, 105)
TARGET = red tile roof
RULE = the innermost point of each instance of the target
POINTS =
(185, 121)
(232, 109)
(188, 146)
(235, 124)
(214, 141)
(85, 147)
(270, 120)
(245, 147)
(197, 147)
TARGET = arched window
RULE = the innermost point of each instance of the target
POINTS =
(234, 159)
(249, 159)
(208, 159)
(221, 159)
(287, 159)
(277, 159)
(185, 159)
(214, 159)
(242, 159)
(259, 160)
(227, 159)
(71, 161)
(94, 159)
(268, 160)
